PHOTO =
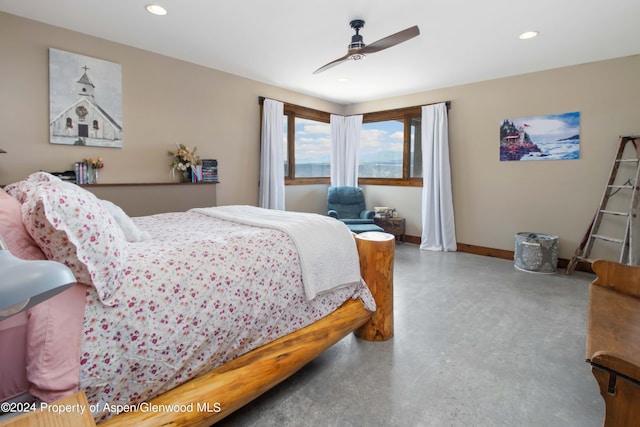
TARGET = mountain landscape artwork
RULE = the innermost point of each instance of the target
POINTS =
(550, 137)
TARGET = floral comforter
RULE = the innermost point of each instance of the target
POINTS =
(198, 294)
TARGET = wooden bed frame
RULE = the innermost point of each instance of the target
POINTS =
(216, 394)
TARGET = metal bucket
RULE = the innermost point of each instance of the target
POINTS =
(536, 253)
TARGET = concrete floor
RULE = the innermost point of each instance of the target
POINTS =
(477, 343)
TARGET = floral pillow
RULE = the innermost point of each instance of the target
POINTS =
(21, 190)
(71, 226)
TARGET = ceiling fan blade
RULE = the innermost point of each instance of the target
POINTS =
(332, 63)
(392, 40)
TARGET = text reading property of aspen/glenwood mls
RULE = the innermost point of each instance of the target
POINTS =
(205, 407)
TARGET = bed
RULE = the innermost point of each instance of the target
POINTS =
(147, 333)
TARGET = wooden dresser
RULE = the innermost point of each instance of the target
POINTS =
(613, 340)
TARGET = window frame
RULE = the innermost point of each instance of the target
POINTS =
(405, 114)
(293, 111)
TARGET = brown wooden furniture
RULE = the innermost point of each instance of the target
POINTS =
(225, 389)
(392, 225)
(613, 340)
(71, 411)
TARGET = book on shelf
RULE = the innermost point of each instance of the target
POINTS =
(196, 173)
(80, 169)
(209, 170)
(69, 176)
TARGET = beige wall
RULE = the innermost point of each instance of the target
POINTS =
(493, 200)
(166, 100)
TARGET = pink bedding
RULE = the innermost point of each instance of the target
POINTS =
(13, 341)
(13, 353)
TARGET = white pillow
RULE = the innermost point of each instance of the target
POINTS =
(131, 232)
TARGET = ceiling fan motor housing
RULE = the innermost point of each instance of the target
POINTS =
(357, 42)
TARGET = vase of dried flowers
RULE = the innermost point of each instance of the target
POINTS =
(92, 171)
(185, 175)
(183, 159)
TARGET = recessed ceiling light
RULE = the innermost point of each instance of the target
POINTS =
(343, 79)
(156, 9)
(528, 35)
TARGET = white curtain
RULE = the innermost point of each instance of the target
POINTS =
(271, 193)
(438, 225)
(345, 144)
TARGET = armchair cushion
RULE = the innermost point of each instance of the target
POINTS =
(347, 203)
(356, 220)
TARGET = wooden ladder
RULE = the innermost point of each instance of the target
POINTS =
(628, 254)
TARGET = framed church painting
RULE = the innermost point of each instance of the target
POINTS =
(85, 100)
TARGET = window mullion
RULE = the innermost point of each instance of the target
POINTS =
(407, 142)
(291, 143)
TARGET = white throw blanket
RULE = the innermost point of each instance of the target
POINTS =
(326, 247)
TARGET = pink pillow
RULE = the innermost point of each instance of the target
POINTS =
(71, 226)
(13, 232)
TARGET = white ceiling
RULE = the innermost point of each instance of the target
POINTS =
(281, 42)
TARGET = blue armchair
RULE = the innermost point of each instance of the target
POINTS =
(347, 205)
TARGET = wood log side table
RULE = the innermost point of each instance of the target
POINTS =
(377, 251)
(392, 225)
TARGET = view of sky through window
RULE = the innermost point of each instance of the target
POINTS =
(312, 148)
(381, 149)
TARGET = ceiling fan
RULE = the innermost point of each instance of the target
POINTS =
(358, 50)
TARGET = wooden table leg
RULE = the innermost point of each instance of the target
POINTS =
(376, 267)
(621, 399)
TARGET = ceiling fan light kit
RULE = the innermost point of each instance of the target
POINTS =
(357, 49)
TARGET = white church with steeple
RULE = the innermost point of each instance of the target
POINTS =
(84, 122)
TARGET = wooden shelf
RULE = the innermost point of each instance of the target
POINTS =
(138, 184)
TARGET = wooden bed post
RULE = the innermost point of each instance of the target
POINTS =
(376, 251)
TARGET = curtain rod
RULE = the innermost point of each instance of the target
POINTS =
(447, 103)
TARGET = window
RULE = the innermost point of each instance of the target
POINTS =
(307, 142)
(312, 149)
(381, 149)
(390, 147)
